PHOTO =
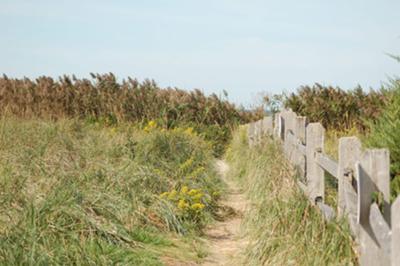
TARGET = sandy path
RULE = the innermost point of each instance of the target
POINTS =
(226, 242)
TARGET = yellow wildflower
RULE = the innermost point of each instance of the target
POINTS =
(184, 189)
(182, 204)
(193, 192)
(189, 131)
(198, 206)
(150, 126)
(198, 196)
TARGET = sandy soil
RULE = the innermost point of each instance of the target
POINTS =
(225, 239)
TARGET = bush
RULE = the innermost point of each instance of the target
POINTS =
(385, 133)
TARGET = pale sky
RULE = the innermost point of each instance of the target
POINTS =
(243, 47)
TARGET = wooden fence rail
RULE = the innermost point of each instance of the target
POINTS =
(363, 182)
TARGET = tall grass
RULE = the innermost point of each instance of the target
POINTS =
(102, 98)
(85, 194)
(282, 226)
(338, 109)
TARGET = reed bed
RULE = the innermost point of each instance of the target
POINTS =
(336, 108)
(103, 97)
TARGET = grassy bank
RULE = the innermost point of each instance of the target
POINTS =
(282, 226)
(72, 192)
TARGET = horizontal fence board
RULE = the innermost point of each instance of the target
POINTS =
(327, 164)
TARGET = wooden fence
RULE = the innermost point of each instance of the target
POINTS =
(362, 175)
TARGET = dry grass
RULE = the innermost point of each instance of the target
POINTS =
(338, 109)
(103, 97)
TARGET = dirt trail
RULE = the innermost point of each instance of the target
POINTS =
(226, 242)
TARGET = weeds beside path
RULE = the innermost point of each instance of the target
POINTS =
(225, 240)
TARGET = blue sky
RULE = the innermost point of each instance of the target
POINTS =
(243, 47)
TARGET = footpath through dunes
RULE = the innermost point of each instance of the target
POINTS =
(226, 242)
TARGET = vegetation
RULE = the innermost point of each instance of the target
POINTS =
(104, 99)
(282, 226)
(373, 117)
(337, 109)
(73, 192)
(105, 172)
(385, 133)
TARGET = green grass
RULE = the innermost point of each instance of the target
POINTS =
(78, 193)
(282, 226)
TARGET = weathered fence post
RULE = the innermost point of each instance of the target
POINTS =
(300, 133)
(267, 126)
(301, 123)
(277, 126)
(349, 154)
(290, 118)
(374, 178)
(315, 174)
(374, 233)
(282, 126)
(395, 247)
